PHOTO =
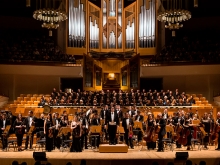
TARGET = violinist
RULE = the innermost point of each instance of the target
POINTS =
(48, 131)
(19, 130)
(56, 121)
(218, 132)
(206, 121)
(85, 126)
(150, 124)
(3, 123)
(187, 130)
(128, 124)
(162, 123)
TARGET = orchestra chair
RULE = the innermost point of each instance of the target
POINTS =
(168, 141)
(12, 142)
(196, 98)
(199, 95)
(41, 141)
(195, 135)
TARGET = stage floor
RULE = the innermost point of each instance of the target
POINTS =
(133, 156)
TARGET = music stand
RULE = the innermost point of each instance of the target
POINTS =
(5, 134)
(120, 132)
(95, 131)
(20, 110)
(138, 126)
(64, 131)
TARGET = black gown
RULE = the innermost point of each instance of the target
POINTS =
(76, 140)
(49, 140)
(151, 145)
(19, 132)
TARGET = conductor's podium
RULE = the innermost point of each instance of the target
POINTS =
(118, 148)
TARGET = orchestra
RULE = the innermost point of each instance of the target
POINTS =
(109, 117)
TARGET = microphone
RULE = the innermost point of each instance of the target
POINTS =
(28, 3)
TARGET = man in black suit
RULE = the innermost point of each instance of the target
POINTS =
(103, 112)
(3, 123)
(162, 123)
(29, 122)
(112, 121)
(85, 125)
(139, 117)
(130, 111)
(128, 124)
(165, 114)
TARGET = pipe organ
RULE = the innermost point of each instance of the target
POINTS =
(112, 26)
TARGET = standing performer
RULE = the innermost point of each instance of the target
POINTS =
(85, 126)
(56, 121)
(3, 123)
(128, 124)
(112, 121)
(206, 121)
(218, 131)
(29, 122)
(48, 131)
(149, 126)
(19, 130)
(76, 135)
(162, 123)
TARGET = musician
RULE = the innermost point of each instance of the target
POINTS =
(150, 124)
(96, 121)
(178, 120)
(119, 112)
(3, 123)
(190, 112)
(206, 121)
(103, 112)
(56, 139)
(19, 130)
(85, 126)
(218, 124)
(162, 123)
(139, 117)
(29, 122)
(128, 124)
(76, 135)
(48, 131)
(165, 114)
(130, 111)
(188, 121)
(112, 121)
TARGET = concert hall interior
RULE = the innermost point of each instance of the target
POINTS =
(109, 82)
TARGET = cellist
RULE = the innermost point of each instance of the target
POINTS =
(149, 125)
(128, 124)
(218, 132)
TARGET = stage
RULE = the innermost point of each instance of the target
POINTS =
(134, 156)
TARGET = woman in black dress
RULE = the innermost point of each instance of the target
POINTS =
(19, 130)
(48, 131)
(76, 135)
(149, 124)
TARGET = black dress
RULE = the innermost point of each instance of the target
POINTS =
(19, 132)
(151, 145)
(76, 140)
(49, 140)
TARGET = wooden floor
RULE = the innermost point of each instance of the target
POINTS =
(133, 157)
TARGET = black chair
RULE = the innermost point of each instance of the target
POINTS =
(41, 141)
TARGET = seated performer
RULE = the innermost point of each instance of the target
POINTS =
(128, 124)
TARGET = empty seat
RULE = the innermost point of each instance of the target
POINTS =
(38, 98)
(199, 95)
(36, 102)
(198, 102)
(33, 98)
(202, 98)
(20, 98)
(196, 98)
(20, 105)
(30, 102)
(27, 105)
(201, 106)
(27, 98)
(205, 102)
(29, 95)
(17, 102)
(23, 95)
(193, 95)
(35, 95)
(23, 102)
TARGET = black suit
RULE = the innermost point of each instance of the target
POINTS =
(27, 123)
(141, 118)
(112, 128)
(4, 139)
(131, 113)
(120, 114)
(127, 130)
(162, 124)
(85, 132)
(103, 113)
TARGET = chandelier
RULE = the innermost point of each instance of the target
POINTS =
(173, 18)
(51, 17)
(173, 13)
